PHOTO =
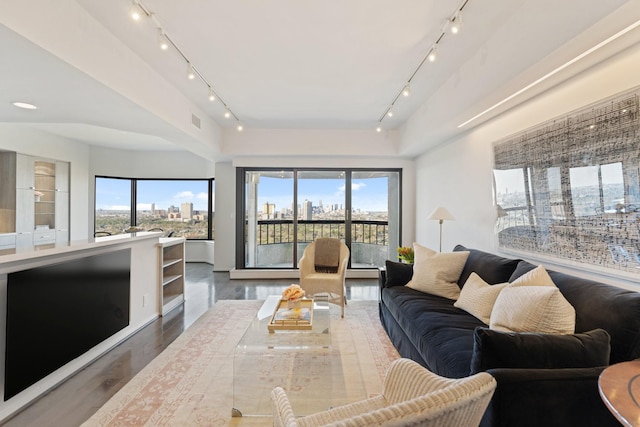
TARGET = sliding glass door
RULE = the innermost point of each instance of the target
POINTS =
(286, 209)
(321, 201)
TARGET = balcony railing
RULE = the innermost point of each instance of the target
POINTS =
(275, 231)
(275, 239)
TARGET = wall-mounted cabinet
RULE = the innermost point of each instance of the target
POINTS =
(35, 199)
(171, 273)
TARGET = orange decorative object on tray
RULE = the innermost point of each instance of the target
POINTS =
(285, 318)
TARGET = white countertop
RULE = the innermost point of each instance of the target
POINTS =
(27, 253)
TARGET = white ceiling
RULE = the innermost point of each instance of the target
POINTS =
(297, 64)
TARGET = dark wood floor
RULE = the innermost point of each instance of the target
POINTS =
(75, 400)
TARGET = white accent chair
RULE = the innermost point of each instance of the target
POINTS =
(411, 396)
(315, 282)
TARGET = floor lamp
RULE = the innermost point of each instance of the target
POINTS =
(441, 214)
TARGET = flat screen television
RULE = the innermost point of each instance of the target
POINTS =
(58, 312)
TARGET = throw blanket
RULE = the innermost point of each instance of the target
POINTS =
(327, 255)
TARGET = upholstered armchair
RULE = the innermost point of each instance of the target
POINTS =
(412, 395)
(322, 269)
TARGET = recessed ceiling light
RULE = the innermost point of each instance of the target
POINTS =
(25, 105)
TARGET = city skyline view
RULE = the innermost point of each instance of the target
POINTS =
(367, 194)
(115, 194)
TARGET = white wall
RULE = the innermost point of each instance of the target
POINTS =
(310, 142)
(458, 175)
(225, 225)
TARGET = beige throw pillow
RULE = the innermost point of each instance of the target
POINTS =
(437, 273)
(536, 277)
(540, 309)
(477, 297)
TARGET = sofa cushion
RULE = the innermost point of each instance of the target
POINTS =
(397, 273)
(494, 349)
(442, 333)
(491, 268)
(540, 309)
(599, 305)
(477, 297)
(437, 273)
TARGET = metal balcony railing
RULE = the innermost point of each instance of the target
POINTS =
(275, 231)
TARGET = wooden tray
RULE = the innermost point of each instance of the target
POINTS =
(293, 319)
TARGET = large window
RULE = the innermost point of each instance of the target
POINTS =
(286, 209)
(177, 207)
(113, 205)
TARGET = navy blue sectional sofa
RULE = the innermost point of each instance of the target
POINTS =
(543, 380)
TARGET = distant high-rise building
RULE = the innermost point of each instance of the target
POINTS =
(153, 209)
(268, 210)
(173, 209)
(186, 210)
(307, 210)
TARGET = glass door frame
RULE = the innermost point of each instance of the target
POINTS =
(241, 183)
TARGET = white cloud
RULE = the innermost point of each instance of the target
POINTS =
(357, 185)
(184, 195)
(119, 208)
(202, 196)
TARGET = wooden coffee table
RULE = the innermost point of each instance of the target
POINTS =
(619, 387)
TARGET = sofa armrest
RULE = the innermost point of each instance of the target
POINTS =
(547, 397)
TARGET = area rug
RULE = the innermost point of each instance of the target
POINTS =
(191, 382)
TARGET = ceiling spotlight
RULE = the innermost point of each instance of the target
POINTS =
(407, 90)
(433, 55)
(162, 40)
(239, 127)
(25, 105)
(379, 128)
(455, 23)
(212, 96)
(390, 112)
(227, 113)
(135, 11)
(191, 74)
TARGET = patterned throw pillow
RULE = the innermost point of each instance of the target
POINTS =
(437, 273)
(477, 297)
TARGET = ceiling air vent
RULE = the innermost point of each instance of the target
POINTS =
(195, 120)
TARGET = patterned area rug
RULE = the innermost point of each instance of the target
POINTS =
(191, 382)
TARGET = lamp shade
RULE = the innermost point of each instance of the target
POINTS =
(441, 214)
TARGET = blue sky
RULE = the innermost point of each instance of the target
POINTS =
(367, 194)
(114, 194)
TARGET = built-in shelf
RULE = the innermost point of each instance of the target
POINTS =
(168, 279)
(171, 273)
(167, 262)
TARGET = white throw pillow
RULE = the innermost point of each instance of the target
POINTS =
(477, 297)
(536, 277)
(540, 309)
(437, 273)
